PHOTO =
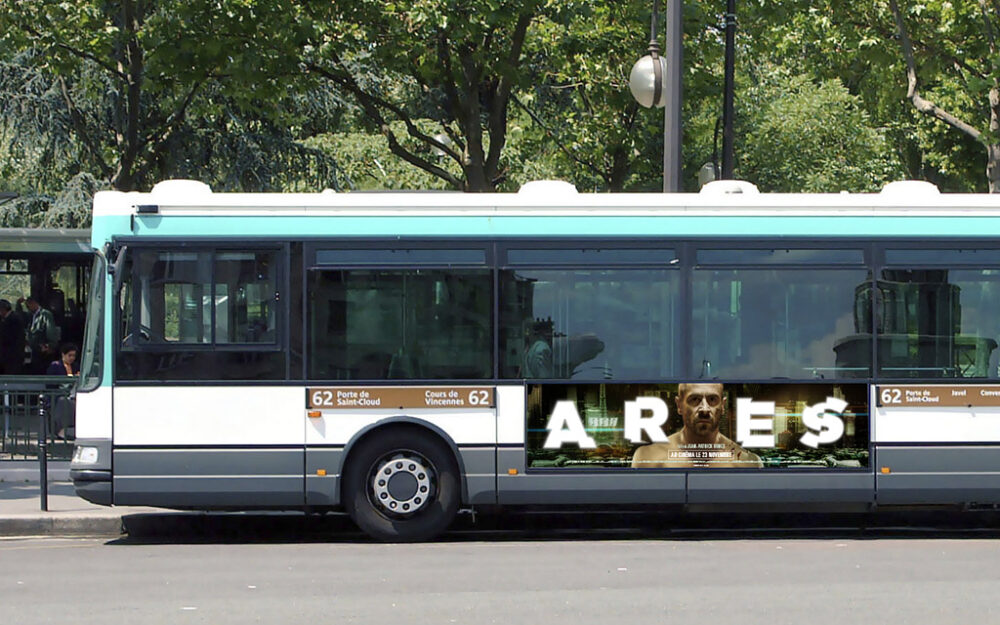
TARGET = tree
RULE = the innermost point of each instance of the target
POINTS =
(861, 45)
(70, 208)
(807, 136)
(587, 123)
(367, 163)
(970, 60)
(594, 131)
(448, 61)
(123, 78)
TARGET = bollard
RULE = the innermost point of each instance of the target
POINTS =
(43, 452)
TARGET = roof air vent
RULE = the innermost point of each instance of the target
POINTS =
(727, 187)
(179, 189)
(550, 188)
(910, 188)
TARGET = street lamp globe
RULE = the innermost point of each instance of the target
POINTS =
(646, 81)
(444, 140)
(707, 174)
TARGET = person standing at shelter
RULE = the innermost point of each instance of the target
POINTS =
(43, 335)
(12, 340)
(63, 409)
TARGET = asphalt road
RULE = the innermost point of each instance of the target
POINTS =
(280, 570)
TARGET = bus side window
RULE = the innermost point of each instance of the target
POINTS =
(939, 322)
(201, 314)
(400, 324)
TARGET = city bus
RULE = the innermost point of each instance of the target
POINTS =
(403, 357)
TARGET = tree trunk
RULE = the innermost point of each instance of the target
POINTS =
(993, 148)
(131, 66)
(929, 108)
(993, 167)
(620, 167)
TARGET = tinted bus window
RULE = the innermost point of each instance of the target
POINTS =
(400, 256)
(586, 324)
(245, 306)
(600, 256)
(946, 257)
(939, 323)
(768, 256)
(206, 297)
(779, 323)
(389, 324)
(200, 315)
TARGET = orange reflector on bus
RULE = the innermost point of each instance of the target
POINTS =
(314, 414)
(321, 472)
(885, 470)
(511, 471)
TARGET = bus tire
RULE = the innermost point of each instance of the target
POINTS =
(402, 486)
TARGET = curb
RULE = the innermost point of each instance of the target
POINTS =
(61, 526)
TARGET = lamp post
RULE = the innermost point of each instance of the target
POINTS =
(655, 81)
(728, 88)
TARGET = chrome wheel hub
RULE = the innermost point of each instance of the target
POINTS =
(401, 483)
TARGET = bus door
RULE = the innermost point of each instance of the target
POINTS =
(202, 416)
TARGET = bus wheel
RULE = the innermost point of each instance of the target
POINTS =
(402, 486)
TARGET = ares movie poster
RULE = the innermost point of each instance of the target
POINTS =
(697, 425)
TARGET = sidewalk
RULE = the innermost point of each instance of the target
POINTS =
(68, 515)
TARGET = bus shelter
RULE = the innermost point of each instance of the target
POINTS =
(51, 267)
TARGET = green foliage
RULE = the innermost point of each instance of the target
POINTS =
(460, 62)
(70, 208)
(579, 109)
(858, 44)
(137, 92)
(37, 152)
(122, 79)
(258, 95)
(804, 136)
(368, 165)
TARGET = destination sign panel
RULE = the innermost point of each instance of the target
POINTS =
(364, 397)
(946, 395)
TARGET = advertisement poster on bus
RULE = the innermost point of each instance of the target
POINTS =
(697, 425)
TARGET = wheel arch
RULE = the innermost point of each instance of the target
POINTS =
(403, 423)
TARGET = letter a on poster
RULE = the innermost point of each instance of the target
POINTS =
(565, 426)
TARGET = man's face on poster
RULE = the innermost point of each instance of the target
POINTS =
(700, 406)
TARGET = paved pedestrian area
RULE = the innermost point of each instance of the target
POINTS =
(21, 511)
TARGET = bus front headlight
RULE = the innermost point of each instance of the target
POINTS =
(85, 455)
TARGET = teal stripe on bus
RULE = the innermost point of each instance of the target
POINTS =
(550, 226)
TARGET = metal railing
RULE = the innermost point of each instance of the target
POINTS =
(37, 414)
